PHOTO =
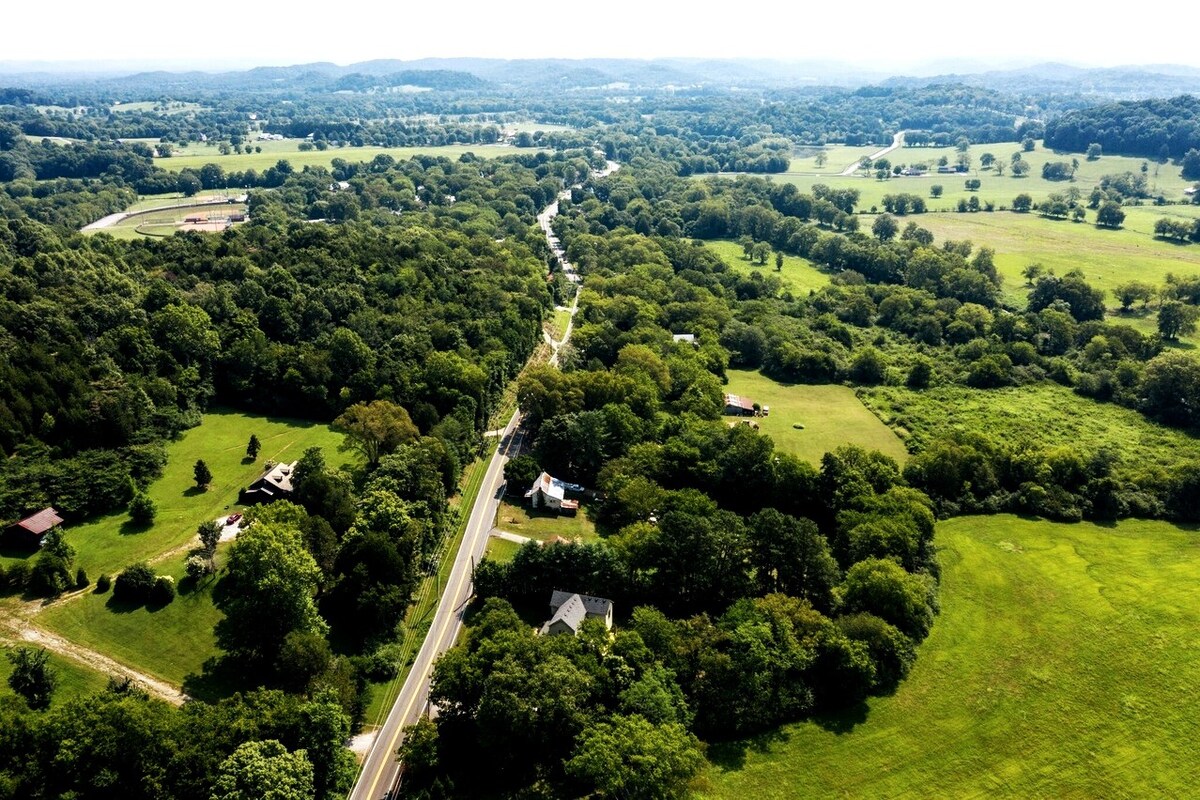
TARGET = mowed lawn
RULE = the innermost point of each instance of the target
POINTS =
(1064, 664)
(107, 544)
(1047, 414)
(831, 415)
(168, 642)
(515, 516)
(197, 155)
(799, 275)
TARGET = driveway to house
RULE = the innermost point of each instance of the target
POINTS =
(897, 141)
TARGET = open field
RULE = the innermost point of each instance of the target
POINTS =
(544, 525)
(197, 155)
(831, 415)
(169, 107)
(998, 189)
(109, 543)
(837, 158)
(168, 642)
(1107, 258)
(556, 326)
(1047, 414)
(74, 679)
(799, 275)
(1063, 665)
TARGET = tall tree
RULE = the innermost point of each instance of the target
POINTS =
(375, 429)
(32, 678)
(269, 585)
(253, 447)
(264, 771)
(202, 474)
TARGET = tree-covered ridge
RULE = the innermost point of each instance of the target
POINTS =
(1159, 129)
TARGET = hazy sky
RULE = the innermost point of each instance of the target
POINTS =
(869, 33)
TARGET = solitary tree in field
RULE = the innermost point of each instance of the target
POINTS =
(1176, 319)
(821, 159)
(202, 474)
(1094, 150)
(32, 678)
(142, 509)
(210, 534)
(1110, 215)
(253, 446)
(935, 190)
(1031, 273)
(778, 261)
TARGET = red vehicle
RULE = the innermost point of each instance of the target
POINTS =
(233, 518)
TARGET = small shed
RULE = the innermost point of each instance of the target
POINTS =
(738, 406)
(30, 531)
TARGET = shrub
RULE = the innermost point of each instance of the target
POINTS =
(134, 584)
(163, 591)
(81, 579)
(17, 577)
(103, 584)
(197, 566)
(142, 509)
(49, 577)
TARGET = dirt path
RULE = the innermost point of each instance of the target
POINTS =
(897, 141)
(23, 631)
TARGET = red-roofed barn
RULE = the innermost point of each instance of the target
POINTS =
(29, 531)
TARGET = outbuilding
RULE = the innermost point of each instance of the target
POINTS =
(30, 531)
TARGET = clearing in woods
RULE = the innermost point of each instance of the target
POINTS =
(832, 416)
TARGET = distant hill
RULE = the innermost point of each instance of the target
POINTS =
(1117, 83)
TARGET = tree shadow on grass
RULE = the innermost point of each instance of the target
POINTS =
(731, 756)
(842, 720)
(129, 527)
(248, 460)
(220, 677)
(122, 606)
(193, 491)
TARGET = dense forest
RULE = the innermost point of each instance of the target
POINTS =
(1157, 129)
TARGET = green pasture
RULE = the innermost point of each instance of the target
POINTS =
(831, 415)
(167, 642)
(197, 155)
(837, 158)
(998, 189)
(74, 679)
(170, 107)
(556, 325)
(1107, 258)
(543, 525)
(1063, 665)
(799, 275)
(108, 543)
(1046, 414)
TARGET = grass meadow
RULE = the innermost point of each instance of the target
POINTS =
(167, 642)
(799, 275)
(196, 155)
(501, 550)
(831, 415)
(1046, 414)
(1063, 664)
(108, 543)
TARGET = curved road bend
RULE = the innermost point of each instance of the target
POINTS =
(381, 771)
(897, 141)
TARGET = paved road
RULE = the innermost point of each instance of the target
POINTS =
(897, 141)
(381, 771)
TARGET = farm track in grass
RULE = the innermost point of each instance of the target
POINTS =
(1063, 664)
(832, 416)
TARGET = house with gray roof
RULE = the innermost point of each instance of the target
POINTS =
(275, 484)
(568, 611)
